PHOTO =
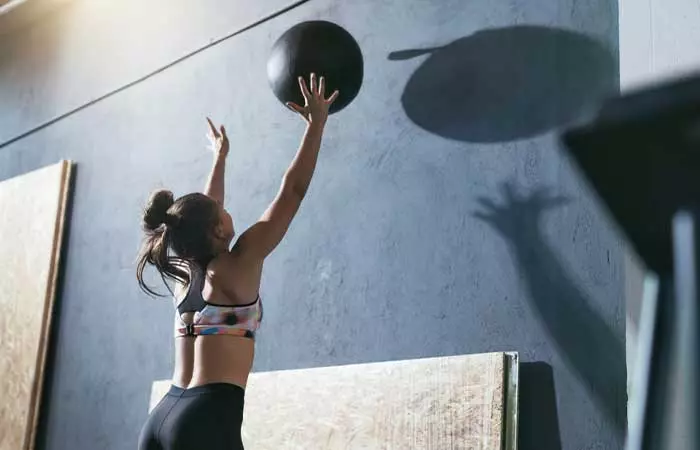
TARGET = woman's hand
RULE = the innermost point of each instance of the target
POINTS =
(219, 145)
(218, 140)
(315, 109)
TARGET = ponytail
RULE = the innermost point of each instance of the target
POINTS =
(158, 225)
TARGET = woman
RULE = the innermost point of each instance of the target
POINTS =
(216, 296)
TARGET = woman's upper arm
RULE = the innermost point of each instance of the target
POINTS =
(262, 238)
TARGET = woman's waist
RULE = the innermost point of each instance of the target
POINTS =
(218, 388)
(226, 359)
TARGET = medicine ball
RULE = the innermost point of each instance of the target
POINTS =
(319, 47)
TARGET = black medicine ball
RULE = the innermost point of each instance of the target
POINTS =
(319, 47)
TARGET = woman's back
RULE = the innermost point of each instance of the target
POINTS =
(226, 295)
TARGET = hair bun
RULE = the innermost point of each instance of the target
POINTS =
(156, 213)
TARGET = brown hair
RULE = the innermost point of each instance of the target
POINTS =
(177, 232)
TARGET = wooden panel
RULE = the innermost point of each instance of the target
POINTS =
(32, 212)
(455, 402)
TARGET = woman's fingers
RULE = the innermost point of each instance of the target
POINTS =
(333, 96)
(223, 132)
(304, 90)
(212, 128)
(314, 98)
(322, 87)
(314, 87)
(296, 108)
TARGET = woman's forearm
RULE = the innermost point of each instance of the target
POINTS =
(215, 183)
(301, 170)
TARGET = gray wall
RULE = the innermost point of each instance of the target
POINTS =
(442, 220)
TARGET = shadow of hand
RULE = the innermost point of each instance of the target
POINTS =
(586, 342)
(518, 213)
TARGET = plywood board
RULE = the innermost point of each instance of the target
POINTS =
(32, 215)
(456, 402)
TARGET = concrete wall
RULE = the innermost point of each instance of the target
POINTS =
(443, 218)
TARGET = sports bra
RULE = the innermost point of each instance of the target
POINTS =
(210, 318)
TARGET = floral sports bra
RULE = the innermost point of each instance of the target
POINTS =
(209, 318)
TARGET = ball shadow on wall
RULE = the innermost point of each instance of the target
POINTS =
(505, 84)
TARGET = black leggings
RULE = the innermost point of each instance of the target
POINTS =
(204, 417)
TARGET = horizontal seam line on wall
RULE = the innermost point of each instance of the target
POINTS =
(152, 73)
